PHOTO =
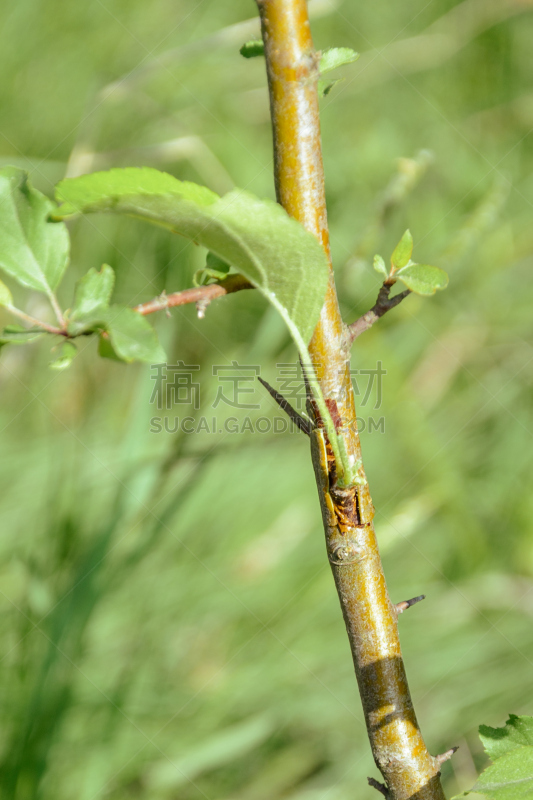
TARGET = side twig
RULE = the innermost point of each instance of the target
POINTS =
(199, 294)
(383, 304)
(36, 322)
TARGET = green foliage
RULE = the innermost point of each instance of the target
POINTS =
(518, 732)
(33, 250)
(419, 278)
(125, 335)
(257, 237)
(6, 298)
(325, 87)
(67, 351)
(252, 49)
(100, 191)
(379, 266)
(510, 777)
(336, 57)
(332, 59)
(403, 251)
(422, 279)
(131, 336)
(16, 334)
(93, 293)
(215, 269)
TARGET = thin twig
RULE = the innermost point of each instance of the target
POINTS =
(383, 304)
(36, 322)
(57, 310)
(199, 294)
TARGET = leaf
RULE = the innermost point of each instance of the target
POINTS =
(252, 49)
(100, 190)
(16, 334)
(336, 57)
(423, 279)
(215, 270)
(510, 777)
(518, 732)
(93, 292)
(403, 251)
(33, 250)
(6, 298)
(131, 336)
(203, 277)
(67, 353)
(105, 349)
(325, 87)
(379, 266)
(214, 262)
(257, 237)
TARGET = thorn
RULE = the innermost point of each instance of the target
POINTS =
(285, 406)
(379, 786)
(405, 604)
(446, 756)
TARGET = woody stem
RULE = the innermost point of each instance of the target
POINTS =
(371, 620)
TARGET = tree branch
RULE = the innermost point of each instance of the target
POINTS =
(35, 322)
(202, 295)
(383, 304)
(371, 620)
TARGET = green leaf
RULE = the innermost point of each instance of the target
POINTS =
(325, 87)
(105, 349)
(252, 49)
(132, 337)
(215, 270)
(203, 277)
(67, 352)
(256, 237)
(510, 777)
(518, 732)
(6, 298)
(379, 266)
(33, 250)
(93, 292)
(213, 262)
(423, 279)
(511, 749)
(16, 334)
(100, 191)
(403, 251)
(336, 57)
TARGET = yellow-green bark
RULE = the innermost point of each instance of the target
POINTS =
(371, 619)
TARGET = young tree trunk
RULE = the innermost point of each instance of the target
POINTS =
(371, 619)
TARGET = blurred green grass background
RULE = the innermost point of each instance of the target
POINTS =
(169, 624)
